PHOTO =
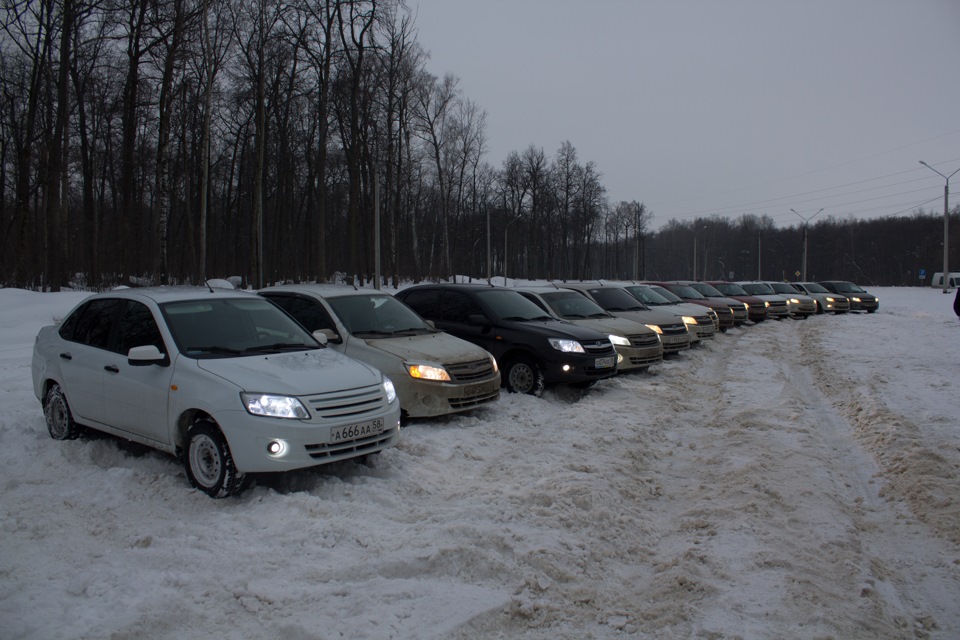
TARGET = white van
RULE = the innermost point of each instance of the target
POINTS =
(952, 281)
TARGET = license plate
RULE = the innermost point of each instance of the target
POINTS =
(673, 339)
(604, 363)
(355, 431)
(479, 389)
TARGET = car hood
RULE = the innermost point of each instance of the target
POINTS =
(299, 373)
(555, 329)
(618, 326)
(435, 347)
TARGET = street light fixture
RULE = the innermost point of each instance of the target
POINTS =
(946, 222)
(806, 223)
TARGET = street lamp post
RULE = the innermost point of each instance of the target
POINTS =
(806, 223)
(946, 222)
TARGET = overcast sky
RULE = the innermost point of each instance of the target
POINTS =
(720, 107)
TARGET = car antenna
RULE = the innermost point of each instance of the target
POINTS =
(207, 282)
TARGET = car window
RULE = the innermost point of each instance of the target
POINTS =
(731, 289)
(426, 302)
(669, 295)
(138, 328)
(686, 291)
(647, 296)
(91, 323)
(377, 314)
(458, 307)
(616, 300)
(510, 305)
(308, 312)
(573, 305)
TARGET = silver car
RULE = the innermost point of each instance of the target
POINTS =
(800, 305)
(222, 379)
(435, 373)
(826, 301)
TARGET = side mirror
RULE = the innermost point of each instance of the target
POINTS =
(325, 336)
(478, 319)
(146, 355)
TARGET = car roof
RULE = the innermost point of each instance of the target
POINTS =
(542, 288)
(324, 290)
(162, 295)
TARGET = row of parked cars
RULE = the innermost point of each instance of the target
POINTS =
(238, 383)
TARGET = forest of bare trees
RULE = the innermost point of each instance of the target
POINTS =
(170, 141)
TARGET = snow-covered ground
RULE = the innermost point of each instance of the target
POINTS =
(796, 479)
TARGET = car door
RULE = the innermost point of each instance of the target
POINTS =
(83, 354)
(135, 396)
(459, 316)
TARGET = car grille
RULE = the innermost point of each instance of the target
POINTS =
(349, 404)
(725, 316)
(674, 329)
(644, 340)
(639, 361)
(349, 448)
(778, 307)
(474, 401)
(739, 314)
(599, 348)
(470, 371)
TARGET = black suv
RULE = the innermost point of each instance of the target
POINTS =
(532, 348)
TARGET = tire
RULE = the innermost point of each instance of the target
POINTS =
(524, 375)
(208, 462)
(819, 308)
(58, 416)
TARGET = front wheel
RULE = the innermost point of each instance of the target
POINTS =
(57, 413)
(209, 464)
(523, 375)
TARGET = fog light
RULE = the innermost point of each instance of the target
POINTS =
(277, 448)
(566, 368)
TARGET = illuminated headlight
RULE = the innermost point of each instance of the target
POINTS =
(855, 299)
(390, 390)
(566, 346)
(829, 299)
(689, 320)
(493, 361)
(619, 340)
(428, 372)
(262, 404)
(746, 307)
(766, 304)
(794, 301)
(655, 328)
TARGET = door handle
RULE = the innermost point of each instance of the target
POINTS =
(112, 368)
(66, 356)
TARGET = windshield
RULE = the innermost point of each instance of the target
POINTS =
(647, 296)
(686, 291)
(570, 305)
(614, 299)
(848, 287)
(813, 287)
(232, 327)
(511, 305)
(731, 289)
(377, 315)
(783, 287)
(669, 295)
(706, 289)
(758, 289)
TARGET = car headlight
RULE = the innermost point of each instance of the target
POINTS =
(655, 328)
(271, 406)
(766, 303)
(390, 390)
(856, 299)
(794, 301)
(428, 372)
(829, 299)
(619, 340)
(689, 320)
(496, 367)
(566, 346)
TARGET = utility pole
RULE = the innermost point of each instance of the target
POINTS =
(806, 223)
(946, 223)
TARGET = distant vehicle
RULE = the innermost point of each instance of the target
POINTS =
(953, 280)
(638, 346)
(756, 307)
(778, 308)
(435, 373)
(676, 333)
(799, 304)
(688, 294)
(860, 299)
(222, 379)
(739, 308)
(532, 347)
(705, 323)
(826, 301)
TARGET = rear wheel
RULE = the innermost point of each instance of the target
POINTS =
(57, 413)
(208, 462)
(524, 375)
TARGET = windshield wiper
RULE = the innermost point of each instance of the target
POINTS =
(279, 346)
(215, 349)
(599, 315)
(373, 332)
(576, 315)
(516, 318)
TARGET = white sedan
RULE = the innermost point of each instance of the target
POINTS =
(222, 379)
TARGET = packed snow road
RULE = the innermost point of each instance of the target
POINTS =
(795, 479)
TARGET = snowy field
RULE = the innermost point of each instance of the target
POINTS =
(795, 479)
